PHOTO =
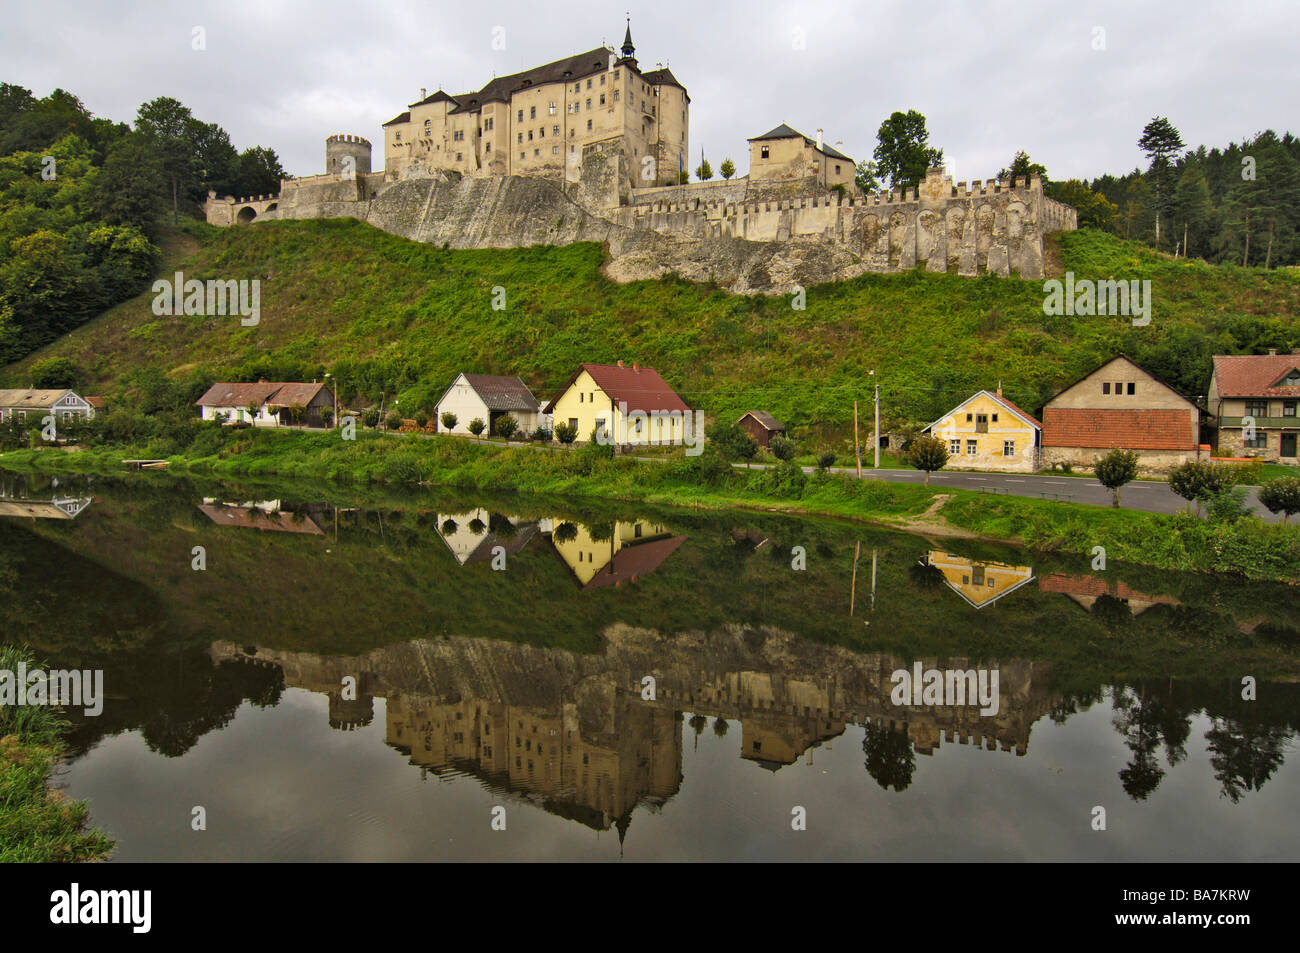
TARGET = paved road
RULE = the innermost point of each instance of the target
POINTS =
(1149, 495)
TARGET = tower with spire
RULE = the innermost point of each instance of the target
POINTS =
(629, 51)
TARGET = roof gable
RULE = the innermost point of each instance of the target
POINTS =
(766, 420)
(1101, 367)
(501, 392)
(1001, 401)
(786, 132)
(640, 388)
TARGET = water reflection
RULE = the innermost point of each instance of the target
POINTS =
(21, 498)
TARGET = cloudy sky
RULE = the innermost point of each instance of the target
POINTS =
(1072, 83)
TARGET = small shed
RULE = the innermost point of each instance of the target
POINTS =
(761, 425)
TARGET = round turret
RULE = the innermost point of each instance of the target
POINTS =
(341, 148)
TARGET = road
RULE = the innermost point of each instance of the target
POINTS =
(1149, 495)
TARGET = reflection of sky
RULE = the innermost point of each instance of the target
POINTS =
(279, 784)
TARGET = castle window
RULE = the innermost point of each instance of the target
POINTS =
(532, 112)
(489, 147)
(555, 130)
(521, 115)
(521, 138)
(837, 170)
(555, 150)
(521, 155)
(588, 102)
(537, 152)
(602, 99)
(551, 107)
(460, 156)
(530, 135)
(589, 125)
(589, 84)
(541, 132)
(577, 87)
(399, 137)
(616, 95)
(572, 132)
(763, 153)
(602, 80)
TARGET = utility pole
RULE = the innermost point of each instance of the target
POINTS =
(875, 434)
(857, 450)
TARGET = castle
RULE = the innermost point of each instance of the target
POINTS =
(591, 148)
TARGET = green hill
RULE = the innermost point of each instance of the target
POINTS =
(385, 313)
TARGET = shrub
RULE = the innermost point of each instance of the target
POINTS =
(506, 425)
(1115, 469)
(327, 416)
(421, 419)
(54, 372)
(1227, 505)
(393, 420)
(449, 420)
(928, 453)
(785, 479)
(371, 417)
(826, 460)
(400, 468)
(476, 426)
(542, 434)
(731, 441)
(449, 527)
(566, 433)
(782, 447)
(1281, 495)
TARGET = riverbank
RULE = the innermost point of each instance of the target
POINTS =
(1183, 542)
(38, 824)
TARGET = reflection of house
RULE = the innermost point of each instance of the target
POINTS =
(65, 508)
(265, 515)
(1265, 387)
(488, 397)
(988, 432)
(262, 404)
(472, 536)
(979, 582)
(1086, 590)
(633, 549)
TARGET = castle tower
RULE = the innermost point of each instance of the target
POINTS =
(629, 51)
(340, 148)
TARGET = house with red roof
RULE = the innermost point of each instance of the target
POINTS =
(264, 403)
(1253, 400)
(987, 431)
(1120, 406)
(621, 404)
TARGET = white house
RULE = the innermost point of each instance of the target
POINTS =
(260, 403)
(31, 406)
(488, 397)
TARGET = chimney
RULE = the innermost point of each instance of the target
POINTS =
(636, 367)
(1272, 352)
(620, 363)
(424, 94)
(819, 140)
(999, 388)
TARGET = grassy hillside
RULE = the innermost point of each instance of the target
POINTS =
(340, 295)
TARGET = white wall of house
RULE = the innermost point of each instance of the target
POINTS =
(463, 401)
(237, 414)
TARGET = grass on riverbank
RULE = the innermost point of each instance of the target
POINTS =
(38, 824)
(1248, 547)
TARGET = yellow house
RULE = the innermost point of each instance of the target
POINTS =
(988, 432)
(621, 405)
(979, 583)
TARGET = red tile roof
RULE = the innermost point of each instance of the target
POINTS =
(1126, 429)
(253, 518)
(641, 388)
(634, 561)
(1253, 375)
(275, 393)
(1093, 586)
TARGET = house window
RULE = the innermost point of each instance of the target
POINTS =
(1256, 408)
(536, 153)
(1257, 442)
(573, 422)
(970, 447)
(995, 418)
(981, 423)
(969, 418)
(616, 74)
(1288, 408)
(530, 135)
(581, 396)
(541, 133)
(763, 153)
(954, 447)
(1119, 387)
(1008, 448)
(1105, 387)
(602, 80)
(522, 155)
(1132, 387)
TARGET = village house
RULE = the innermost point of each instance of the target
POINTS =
(264, 403)
(785, 155)
(31, 406)
(1120, 406)
(633, 550)
(488, 397)
(621, 404)
(989, 432)
(1265, 387)
(761, 425)
(979, 582)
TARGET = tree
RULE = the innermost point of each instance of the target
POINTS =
(683, 177)
(1188, 481)
(393, 421)
(167, 126)
(421, 419)
(731, 441)
(327, 416)
(1023, 167)
(1095, 210)
(1115, 469)
(1191, 209)
(253, 409)
(506, 426)
(476, 426)
(928, 453)
(449, 420)
(1281, 495)
(826, 460)
(903, 154)
(1161, 142)
(782, 447)
(258, 172)
(566, 433)
(54, 372)
(728, 168)
(704, 171)
(129, 184)
(865, 176)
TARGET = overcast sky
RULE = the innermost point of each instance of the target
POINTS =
(990, 77)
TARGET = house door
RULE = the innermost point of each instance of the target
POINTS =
(1288, 445)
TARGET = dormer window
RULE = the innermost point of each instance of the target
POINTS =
(763, 153)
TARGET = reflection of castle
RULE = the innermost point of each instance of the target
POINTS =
(573, 733)
(980, 583)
